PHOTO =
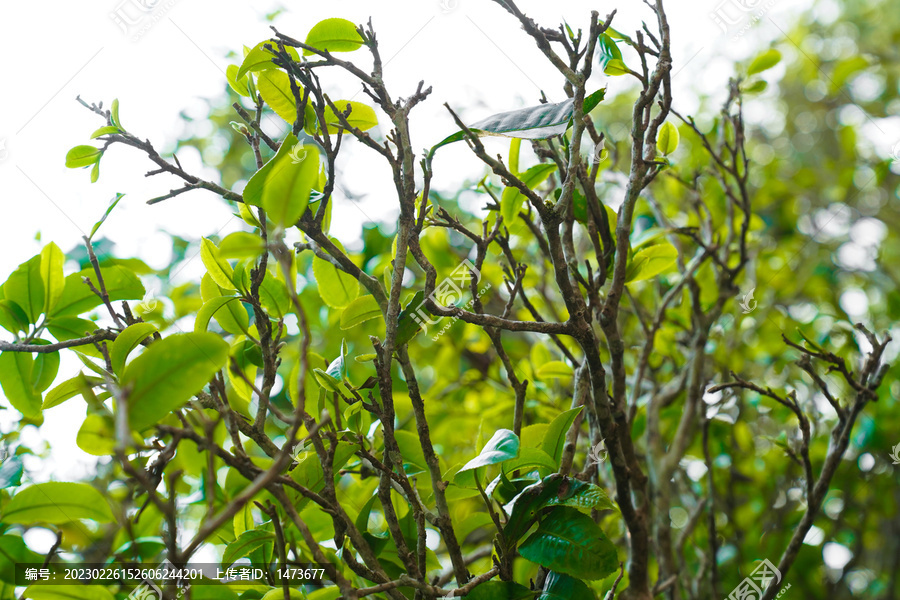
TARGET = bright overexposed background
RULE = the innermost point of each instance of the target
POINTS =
(174, 56)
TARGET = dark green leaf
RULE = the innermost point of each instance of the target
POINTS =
(558, 586)
(568, 541)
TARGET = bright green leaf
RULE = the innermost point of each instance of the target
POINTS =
(667, 139)
(56, 502)
(82, 156)
(764, 61)
(168, 373)
(127, 341)
(359, 311)
(333, 35)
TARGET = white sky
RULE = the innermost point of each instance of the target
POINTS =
(473, 54)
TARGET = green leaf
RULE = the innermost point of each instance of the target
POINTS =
(97, 435)
(241, 244)
(336, 288)
(240, 86)
(667, 139)
(13, 550)
(554, 369)
(553, 490)
(616, 67)
(82, 156)
(254, 188)
(245, 544)
(503, 446)
(105, 130)
(411, 449)
(227, 319)
(511, 200)
(114, 113)
(651, 261)
(217, 267)
(275, 89)
(67, 592)
(409, 322)
(12, 317)
(755, 87)
(533, 123)
(610, 56)
(274, 297)
(44, 369)
(361, 115)
(515, 146)
(764, 61)
(70, 328)
(112, 205)
(127, 341)
(558, 586)
(530, 459)
(77, 297)
(95, 172)
(25, 287)
(333, 35)
(260, 58)
(555, 437)
(500, 590)
(11, 475)
(309, 472)
(287, 187)
(56, 502)
(568, 541)
(326, 381)
(52, 260)
(359, 311)
(168, 373)
(69, 389)
(16, 369)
